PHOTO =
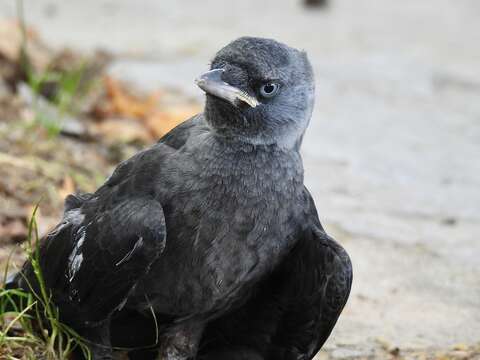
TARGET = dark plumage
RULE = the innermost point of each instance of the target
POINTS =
(211, 227)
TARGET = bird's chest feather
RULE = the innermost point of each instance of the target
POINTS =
(231, 221)
(251, 196)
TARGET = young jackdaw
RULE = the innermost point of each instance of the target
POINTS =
(207, 245)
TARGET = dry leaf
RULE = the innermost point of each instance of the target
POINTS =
(161, 122)
(460, 346)
(122, 130)
(121, 103)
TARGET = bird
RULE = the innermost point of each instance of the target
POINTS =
(206, 245)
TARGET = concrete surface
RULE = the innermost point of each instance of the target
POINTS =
(392, 155)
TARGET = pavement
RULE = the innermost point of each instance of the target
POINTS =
(392, 155)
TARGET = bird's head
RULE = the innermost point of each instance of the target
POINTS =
(260, 91)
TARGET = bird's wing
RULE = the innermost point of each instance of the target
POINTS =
(316, 278)
(92, 261)
(145, 164)
(311, 213)
(108, 240)
(178, 136)
(293, 310)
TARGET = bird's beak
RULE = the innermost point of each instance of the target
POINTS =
(211, 82)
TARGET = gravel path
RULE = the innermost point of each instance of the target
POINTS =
(393, 152)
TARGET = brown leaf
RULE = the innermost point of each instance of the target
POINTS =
(161, 122)
(119, 102)
(122, 130)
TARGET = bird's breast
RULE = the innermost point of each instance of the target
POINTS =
(218, 255)
(228, 224)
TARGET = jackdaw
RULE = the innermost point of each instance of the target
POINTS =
(207, 245)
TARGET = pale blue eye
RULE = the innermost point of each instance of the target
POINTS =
(269, 90)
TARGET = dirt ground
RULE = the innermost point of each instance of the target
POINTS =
(391, 155)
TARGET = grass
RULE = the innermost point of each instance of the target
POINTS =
(67, 84)
(29, 321)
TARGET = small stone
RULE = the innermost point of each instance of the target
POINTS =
(74, 127)
(449, 221)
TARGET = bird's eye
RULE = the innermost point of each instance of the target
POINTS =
(269, 90)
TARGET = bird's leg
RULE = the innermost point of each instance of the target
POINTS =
(181, 341)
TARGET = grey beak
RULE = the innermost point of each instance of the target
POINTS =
(211, 82)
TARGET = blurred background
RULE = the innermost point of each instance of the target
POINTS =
(392, 155)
